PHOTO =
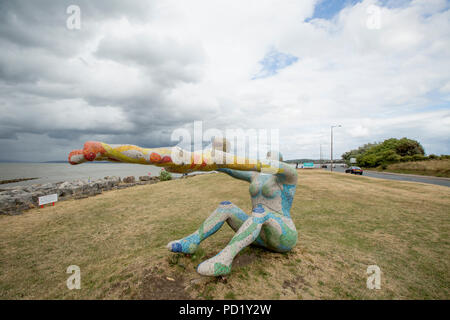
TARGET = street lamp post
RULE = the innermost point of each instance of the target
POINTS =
(320, 155)
(336, 126)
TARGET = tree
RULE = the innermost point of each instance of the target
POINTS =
(408, 147)
(357, 152)
(389, 151)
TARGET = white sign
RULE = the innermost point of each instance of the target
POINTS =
(352, 160)
(48, 199)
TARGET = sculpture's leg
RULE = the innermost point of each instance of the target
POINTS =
(278, 234)
(247, 233)
(226, 211)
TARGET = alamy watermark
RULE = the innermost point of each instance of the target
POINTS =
(374, 278)
(73, 22)
(236, 146)
(373, 21)
(74, 281)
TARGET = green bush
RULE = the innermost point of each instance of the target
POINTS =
(357, 152)
(419, 157)
(390, 156)
(369, 160)
(408, 147)
(165, 175)
(389, 151)
(407, 159)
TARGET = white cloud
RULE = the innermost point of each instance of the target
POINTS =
(359, 131)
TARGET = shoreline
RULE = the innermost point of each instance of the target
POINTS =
(16, 180)
(15, 200)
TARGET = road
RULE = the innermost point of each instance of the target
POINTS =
(401, 177)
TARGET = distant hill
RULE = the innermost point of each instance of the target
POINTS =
(51, 161)
(18, 161)
(14, 161)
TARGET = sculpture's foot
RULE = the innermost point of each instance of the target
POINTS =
(216, 266)
(186, 245)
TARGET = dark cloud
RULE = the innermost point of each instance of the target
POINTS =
(166, 60)
(53, 87)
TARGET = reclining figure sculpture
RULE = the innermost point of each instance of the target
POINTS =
(272, 188)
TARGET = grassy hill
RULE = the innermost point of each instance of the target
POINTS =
(437, 168)
(345, 224)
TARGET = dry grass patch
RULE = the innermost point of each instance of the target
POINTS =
(345, 223)
(437, 168)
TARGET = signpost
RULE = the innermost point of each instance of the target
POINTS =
(51, 198)
(352, 160)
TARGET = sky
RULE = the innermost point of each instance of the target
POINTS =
(137, 70)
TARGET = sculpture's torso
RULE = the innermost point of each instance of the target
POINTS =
(267, 190)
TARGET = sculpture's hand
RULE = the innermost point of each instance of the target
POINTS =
(92, 150)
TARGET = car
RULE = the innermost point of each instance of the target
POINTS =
(354, 170)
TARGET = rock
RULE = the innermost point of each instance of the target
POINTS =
(36, 194)
(148, 178)
(102, 184)
(85, 188)
(93, 188)
(7, 202)
(14, 200)
(47, 186)
(81, 196)
(129, 179)
(94, 193)
(65, 189)
(115, 179)
(109, 185)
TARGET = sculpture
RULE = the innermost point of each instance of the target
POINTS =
(269, 225)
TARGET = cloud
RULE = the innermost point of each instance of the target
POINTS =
(136, 70)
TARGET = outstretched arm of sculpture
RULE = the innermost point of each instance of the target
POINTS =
(238, 174)
(174, 159)
(286, 173)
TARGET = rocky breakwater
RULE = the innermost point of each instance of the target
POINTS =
(15, 200)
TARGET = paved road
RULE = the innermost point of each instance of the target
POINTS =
(401, 177)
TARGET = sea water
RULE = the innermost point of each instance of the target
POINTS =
(56, 172)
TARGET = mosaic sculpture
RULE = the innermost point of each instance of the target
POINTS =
(272, 188)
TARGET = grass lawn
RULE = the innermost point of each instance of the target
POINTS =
(345, 224)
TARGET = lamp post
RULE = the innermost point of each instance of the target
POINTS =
(320, 155)
(336, 126)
